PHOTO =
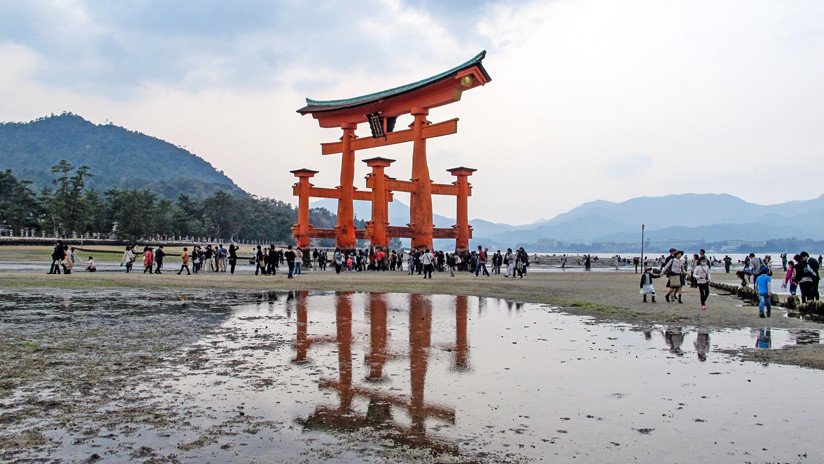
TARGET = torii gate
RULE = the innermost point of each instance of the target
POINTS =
(381, 111)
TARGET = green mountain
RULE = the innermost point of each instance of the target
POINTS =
(118, 157)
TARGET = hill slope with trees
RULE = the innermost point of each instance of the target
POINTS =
(118, 158)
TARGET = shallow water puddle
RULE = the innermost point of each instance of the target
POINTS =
(374, 377)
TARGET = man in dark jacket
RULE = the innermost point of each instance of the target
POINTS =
(57, 256)
(290, 260)
(158, 257)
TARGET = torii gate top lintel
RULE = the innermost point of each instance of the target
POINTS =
(437, 90)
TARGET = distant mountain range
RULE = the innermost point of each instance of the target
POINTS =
(677, 218)
(117, 157)
(707, 217)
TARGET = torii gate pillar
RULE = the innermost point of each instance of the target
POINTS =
(420, 215)
(462, 214)
(378, 228)
(345, 237)
(301, 230)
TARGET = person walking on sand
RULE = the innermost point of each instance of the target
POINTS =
(128, 258)
(692, 265)
(258, 254)
(148, 259)
(184, 259)
(756, 264)
(727, 263)
(814, 266)
(450, 263)
(298, 261)
(701, 274)
(68, 262)
(272, 261)
(806, 276)
(410, 264)
(646, 284)
(509, 259)
(524, 260)
(337, 256)
(674, 270)
(762, 285)
(788, 277)
(290, 261)
(232, 258)
(57, 256)
(482, 256)
(497, 260)
(158, 257)
(427, 260)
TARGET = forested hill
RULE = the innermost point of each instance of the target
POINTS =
(118, 157)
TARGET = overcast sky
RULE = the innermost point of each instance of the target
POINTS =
(588, 100)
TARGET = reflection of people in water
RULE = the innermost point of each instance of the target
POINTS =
(674, 337)
(702, 345)
(764, 339)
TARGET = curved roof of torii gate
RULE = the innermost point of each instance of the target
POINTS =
(323, 106)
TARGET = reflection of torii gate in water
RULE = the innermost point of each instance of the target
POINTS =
(381, 110)
(379, 413)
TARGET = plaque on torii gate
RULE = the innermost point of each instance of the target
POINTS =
(381, 110)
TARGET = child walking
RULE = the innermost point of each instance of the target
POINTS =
(646, 284)
(185, 262)
(762, 285)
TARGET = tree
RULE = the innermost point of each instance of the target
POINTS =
(187, 217)
(67, 207)
(18, 205)
(134, 212)
(95, 214)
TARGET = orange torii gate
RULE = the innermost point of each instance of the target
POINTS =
(381, 111)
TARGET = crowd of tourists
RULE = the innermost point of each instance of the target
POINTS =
(801, 275)
(267, 260)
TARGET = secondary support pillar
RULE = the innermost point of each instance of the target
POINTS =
(343, 318)
(462, 211)
(377, 336)
(378, 227)
(301, 230)
(345, 238)
(420, 338)
(420, 215)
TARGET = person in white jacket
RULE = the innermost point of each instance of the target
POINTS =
(701, 273)
(128, 259)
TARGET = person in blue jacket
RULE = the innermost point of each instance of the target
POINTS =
(762, 286)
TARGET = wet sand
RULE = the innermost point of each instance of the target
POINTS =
(608, 296)
(151, 374)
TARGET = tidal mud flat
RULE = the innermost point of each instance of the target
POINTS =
(173, 376)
